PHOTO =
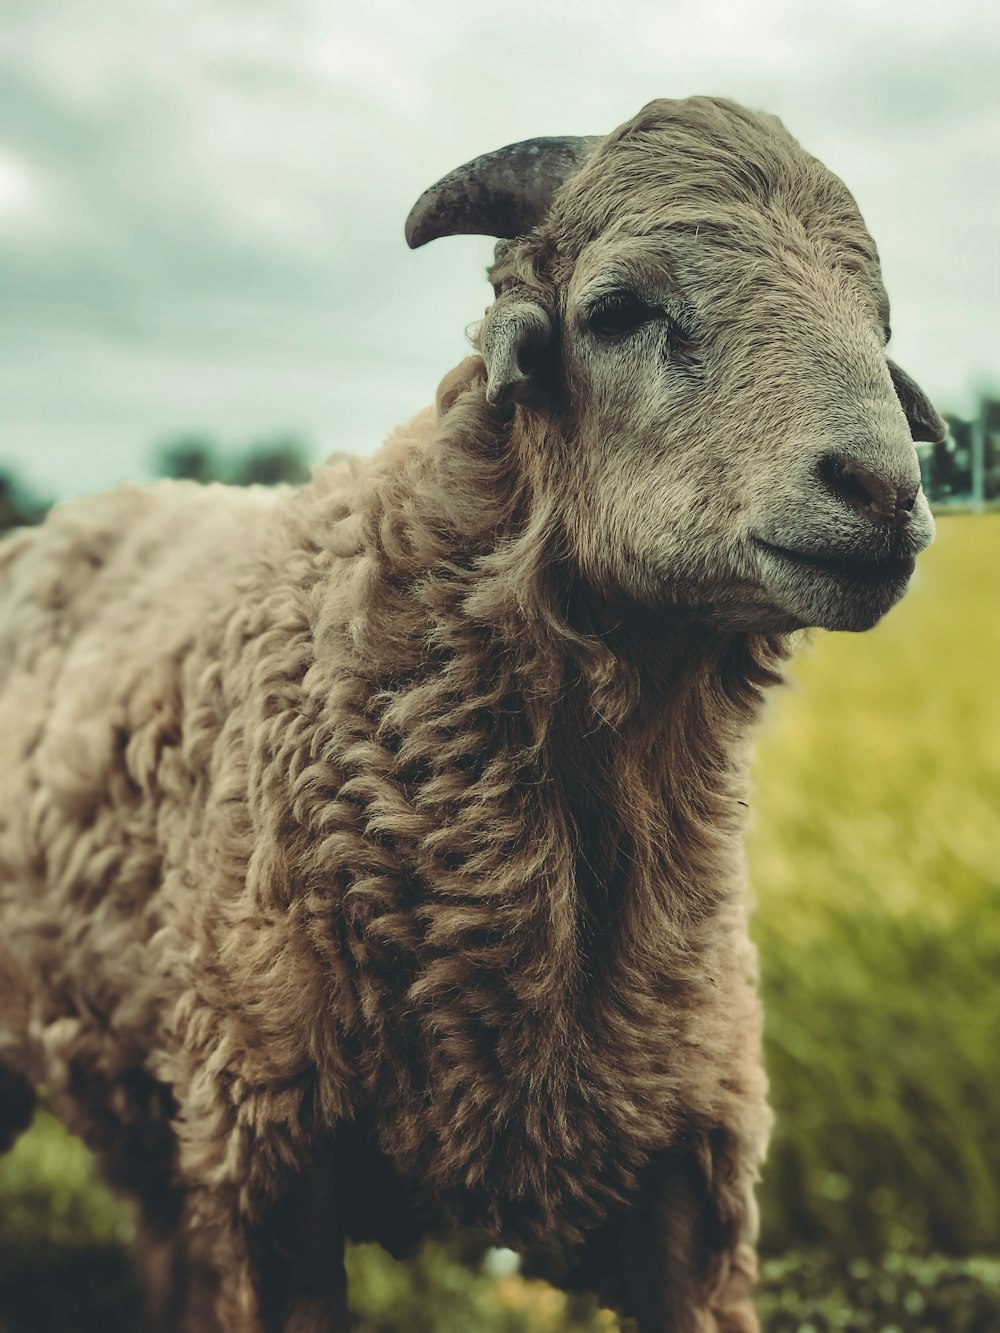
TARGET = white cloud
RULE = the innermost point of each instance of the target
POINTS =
(18, 191)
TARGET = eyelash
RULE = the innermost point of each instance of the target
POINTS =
(633, 312)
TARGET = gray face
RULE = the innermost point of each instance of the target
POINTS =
(739, 446)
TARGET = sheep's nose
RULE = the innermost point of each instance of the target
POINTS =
(881, 499)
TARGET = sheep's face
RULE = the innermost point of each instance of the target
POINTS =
(711, 361)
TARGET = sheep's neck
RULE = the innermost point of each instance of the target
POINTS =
(578, 767)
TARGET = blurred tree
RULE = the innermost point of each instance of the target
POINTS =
(991, 445)
(950, 465)
(266, 462)
(965, 466)
(189, 458)
(17, 507)
(271, 462)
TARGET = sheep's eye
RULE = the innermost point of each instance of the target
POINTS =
(620, 314)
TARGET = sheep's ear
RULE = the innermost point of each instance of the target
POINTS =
(924, 420)
(517, 342)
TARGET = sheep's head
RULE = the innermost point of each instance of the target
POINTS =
(690, 325)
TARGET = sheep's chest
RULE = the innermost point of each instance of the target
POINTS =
(532, 1132)
(522, 1055)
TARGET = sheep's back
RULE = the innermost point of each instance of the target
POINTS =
(103, 612)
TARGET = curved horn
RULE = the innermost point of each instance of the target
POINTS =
(504, 193)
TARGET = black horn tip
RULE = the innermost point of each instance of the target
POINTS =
(505, 193)
(417, 232)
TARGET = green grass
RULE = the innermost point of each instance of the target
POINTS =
(875, 855)
(875, 858)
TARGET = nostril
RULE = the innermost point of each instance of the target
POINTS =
(867, 491)
(846, 481)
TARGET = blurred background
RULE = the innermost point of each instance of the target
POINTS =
(203, 275)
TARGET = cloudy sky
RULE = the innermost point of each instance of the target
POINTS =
(201, 201)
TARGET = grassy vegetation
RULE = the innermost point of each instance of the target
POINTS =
(875, 854)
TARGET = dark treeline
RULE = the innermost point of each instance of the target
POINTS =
(266, 462)
(18, 507)
(964, 469)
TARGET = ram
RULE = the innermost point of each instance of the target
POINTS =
(371, 852)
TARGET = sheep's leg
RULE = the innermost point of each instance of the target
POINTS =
(279, 1254)
(17, 1103)
(297, 1256)
(178, 1269)
(682, 1259)
(17, 1095)
(276, 1278)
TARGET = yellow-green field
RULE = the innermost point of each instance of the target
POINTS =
(875, 855)
(875, 852)
(878, 769)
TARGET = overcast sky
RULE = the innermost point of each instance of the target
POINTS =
(202, 201)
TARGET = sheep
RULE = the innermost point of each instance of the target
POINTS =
(371, 852)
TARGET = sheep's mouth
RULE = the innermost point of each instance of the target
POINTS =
(870, 571)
